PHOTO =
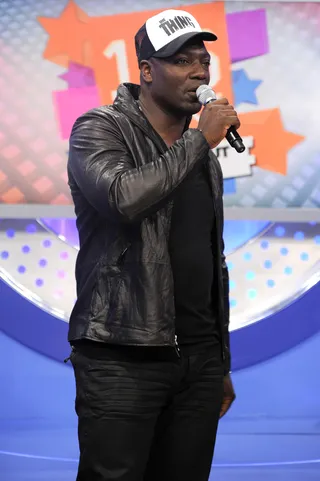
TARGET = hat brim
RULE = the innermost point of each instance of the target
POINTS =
(174, 46)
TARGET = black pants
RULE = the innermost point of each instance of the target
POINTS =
(147, 417)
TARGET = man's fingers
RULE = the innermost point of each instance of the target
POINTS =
(222, 101)
(233, 120)
(226, 404)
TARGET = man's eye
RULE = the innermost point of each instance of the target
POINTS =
(207, 63)
(182, 61)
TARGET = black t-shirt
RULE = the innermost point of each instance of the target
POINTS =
(191, 254)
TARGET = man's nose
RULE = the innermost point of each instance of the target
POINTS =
(199, 71)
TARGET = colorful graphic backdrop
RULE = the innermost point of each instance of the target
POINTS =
(59, 61)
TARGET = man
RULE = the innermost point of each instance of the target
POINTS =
(149, 329)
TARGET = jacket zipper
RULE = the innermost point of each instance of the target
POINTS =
(122, 255)
(176, 346)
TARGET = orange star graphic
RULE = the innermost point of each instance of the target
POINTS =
(106, 44)
(112, 50)
(68, 36)
(271, 142)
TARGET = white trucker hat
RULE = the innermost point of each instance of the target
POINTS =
(165, 33)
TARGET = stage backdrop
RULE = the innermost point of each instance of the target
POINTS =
(59, 59)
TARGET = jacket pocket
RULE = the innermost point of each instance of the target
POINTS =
(109, 279)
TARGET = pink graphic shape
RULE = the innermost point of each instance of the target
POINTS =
(70, 104)
(247, 34)
(78, 76)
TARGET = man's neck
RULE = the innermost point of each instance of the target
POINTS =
(169, 127)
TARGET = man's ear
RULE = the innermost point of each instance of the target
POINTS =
(146, 71)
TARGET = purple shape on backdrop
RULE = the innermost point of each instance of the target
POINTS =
(31, 228)
(247, 33)
(10, 233)
(78, 76)
(46, 243)
(71, 103)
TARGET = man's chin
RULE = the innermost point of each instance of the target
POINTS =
(188, 109)
(193, 108)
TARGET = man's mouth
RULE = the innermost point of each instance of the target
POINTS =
(192, 92)
(194, 89)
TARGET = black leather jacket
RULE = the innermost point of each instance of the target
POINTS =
(122, 178)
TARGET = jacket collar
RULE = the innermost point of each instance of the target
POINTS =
(126, 102)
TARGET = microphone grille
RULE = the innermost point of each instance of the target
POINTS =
(205, 93)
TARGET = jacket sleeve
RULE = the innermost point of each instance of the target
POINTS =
(103, 168)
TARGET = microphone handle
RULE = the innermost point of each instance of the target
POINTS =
(235, 140)
(232, 135)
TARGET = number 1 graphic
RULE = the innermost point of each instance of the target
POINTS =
(117, 48)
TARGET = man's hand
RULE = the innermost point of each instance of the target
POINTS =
(215, 120)
(228, 395)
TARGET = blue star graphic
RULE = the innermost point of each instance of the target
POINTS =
(230, 186)
(244, 88)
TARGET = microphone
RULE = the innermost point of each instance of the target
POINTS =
(206, 95)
